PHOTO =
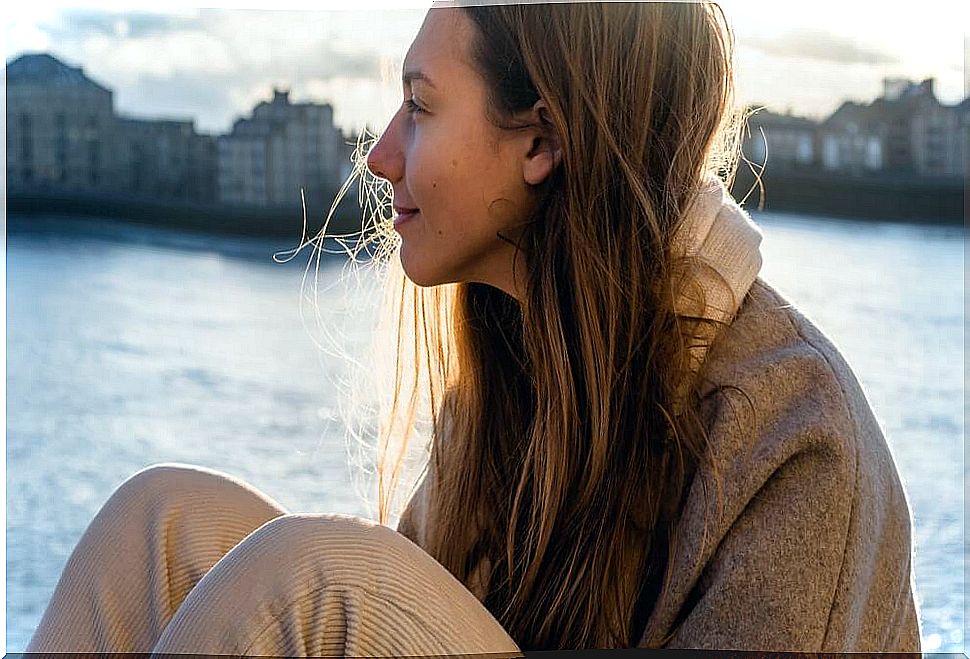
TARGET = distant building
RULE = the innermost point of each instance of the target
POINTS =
(852, 141)
(906, 131)
(242, 177)
(780, 141)
(167, 159)
(60, 127)
(963, 137)
(348, 147)
(919, 129)
(63, 135)
(284, 147)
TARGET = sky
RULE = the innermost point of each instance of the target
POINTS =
(214, 64)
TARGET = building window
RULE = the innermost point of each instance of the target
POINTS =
(93, 155)
(26, 147)
(60, 145)
(93, 162)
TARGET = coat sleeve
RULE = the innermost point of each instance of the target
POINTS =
(771, 580)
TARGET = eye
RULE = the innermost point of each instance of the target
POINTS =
(413, 107)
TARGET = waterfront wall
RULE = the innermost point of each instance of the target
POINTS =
(908, 199)
(915, 200)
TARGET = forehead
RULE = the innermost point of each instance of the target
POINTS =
(438, 50)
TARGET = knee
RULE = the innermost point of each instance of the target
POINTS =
(346, 548)
(179, 484)
(167, 479)
(304, 530)
(162, 473)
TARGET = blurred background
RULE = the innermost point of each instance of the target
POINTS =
(154, 167)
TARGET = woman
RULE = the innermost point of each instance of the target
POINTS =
(636, 441)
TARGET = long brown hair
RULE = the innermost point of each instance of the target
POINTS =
(561, 442)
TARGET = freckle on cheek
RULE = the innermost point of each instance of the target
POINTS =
(454, 163)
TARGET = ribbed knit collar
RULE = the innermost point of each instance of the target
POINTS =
(723, 237)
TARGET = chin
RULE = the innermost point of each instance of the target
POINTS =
(420, 276)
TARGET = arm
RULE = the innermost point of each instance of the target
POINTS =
(771, 581)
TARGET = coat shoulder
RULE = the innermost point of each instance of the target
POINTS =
(792, 436)
(773, 384)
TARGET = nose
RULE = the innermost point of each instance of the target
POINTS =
(385, 159)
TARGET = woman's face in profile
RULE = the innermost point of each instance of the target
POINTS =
(443, 157)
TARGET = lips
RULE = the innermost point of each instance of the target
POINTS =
(403, 215)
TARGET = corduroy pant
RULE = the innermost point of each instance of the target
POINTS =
(185, 559)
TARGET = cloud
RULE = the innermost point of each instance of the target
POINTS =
(322, 61)
(212, 64)
(278, 43)
(821, 45)
(79, 24)
(181, 96)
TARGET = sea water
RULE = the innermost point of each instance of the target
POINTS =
(129, 345)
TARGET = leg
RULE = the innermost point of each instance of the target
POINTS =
(147, 547)
(331, 585)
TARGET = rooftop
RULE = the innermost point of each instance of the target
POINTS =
(43, 68)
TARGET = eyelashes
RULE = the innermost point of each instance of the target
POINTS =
(413, 107)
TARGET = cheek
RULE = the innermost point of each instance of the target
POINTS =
(452, 176)
(444, 183)
(427, 178)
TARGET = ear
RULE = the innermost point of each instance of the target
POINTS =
(544, 151)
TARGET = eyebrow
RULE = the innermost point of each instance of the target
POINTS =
(415, 74)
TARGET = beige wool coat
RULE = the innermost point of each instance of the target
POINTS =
(812, 550)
